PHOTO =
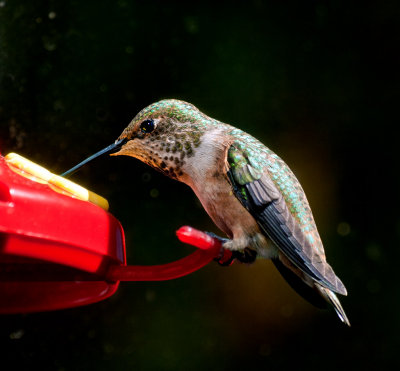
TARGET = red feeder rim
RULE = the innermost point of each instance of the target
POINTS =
(57, 251)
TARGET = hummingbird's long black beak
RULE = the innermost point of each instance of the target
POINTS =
(110, 149)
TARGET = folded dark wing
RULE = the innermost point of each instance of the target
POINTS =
(260, 196)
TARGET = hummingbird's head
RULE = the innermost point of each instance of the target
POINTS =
(165, 135)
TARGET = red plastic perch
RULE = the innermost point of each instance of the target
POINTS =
(209, 249)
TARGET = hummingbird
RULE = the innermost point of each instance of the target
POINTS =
(248, 191)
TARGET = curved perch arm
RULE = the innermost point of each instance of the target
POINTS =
(209, 248)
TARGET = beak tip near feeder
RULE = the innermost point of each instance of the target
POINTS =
(112, 148)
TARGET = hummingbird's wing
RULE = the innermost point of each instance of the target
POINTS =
(254, 187)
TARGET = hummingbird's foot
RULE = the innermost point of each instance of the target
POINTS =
(246, 256)
(219, 238)
(225, 257)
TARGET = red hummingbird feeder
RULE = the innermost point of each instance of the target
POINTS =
(61, 248)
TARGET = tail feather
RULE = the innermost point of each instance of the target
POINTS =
(314, 293)
(331, 298)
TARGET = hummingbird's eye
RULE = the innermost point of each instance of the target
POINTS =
(147, 126)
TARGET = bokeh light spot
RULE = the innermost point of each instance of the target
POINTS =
(154, 193)
(343, 229)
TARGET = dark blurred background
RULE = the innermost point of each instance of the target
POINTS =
(314, 80)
